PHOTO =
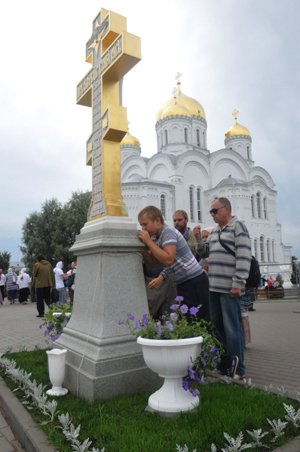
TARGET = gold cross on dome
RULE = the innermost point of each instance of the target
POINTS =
(235, 113)
(178, 77)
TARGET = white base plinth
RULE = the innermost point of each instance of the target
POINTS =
(57, 391)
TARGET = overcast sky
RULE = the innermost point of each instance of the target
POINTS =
(231, 54)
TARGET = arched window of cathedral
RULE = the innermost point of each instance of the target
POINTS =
(273, 250)
(255, 249)
(265, 207)
(162, 139)
(198, 137)
(185, 135)
(203, 140)
(199, 204)
(166, 137)
(163, 205)
(248, 153)
(252, 206)
(191, 199)
(258, 200)
(268, 251)
(262, 249)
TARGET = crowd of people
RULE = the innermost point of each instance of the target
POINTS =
(47, 285)
(208, 268)
(198, 266)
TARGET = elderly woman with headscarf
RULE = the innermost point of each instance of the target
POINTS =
(204, 234)
(60, 276)
(11, 283)
(2, 285)
(23, 283)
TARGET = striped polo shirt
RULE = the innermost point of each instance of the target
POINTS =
(185, 266)
(225, 270)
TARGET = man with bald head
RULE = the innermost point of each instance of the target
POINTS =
(229, 250)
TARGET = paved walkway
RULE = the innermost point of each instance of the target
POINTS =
(272, 357)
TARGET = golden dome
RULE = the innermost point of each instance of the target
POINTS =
(192, 105)
(236, 129)
(175, 110)
(130, 140)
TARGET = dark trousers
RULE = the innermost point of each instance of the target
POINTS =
(42, 293)
(195, 292)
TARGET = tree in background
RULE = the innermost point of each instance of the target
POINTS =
(52, 231)
(4, 260)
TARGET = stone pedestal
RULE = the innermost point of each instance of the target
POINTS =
(103, 359)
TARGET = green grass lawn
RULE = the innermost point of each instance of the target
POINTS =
(121, 424)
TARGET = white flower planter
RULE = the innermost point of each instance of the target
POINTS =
(56, 365)
(170, 359)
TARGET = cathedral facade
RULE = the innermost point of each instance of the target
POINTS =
(184, 174)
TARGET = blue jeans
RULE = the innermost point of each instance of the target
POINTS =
(62, 295)
(225, 313)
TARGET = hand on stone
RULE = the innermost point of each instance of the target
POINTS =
(144, 236)
(197, 231)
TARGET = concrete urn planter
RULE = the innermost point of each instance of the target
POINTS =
(170, 359)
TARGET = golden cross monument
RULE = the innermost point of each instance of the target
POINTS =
(112, 51)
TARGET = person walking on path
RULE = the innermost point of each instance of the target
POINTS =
(23, 283)
(11, 284)
(2, 285)
(227, 275)
(43, 275)
(60, 277)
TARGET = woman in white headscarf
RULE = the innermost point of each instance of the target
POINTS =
(60, 276)
(23, 283)
(11, 283)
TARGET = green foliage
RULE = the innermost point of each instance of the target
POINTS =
(4, 260)
(121, 424)
(52, 231)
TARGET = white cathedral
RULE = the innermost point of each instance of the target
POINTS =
(184, 174)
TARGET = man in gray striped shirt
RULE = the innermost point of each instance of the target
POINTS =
(227, 275)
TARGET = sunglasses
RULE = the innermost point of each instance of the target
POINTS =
(215, 211)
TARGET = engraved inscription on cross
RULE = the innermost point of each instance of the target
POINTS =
(112, 51)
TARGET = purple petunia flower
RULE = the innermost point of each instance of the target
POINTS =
(40, 326)
(121, 321)
(185, 385)
(184, 309)
(137, 324)
(130, 317)
(174, 307)
(213, 349)
(159, 327)
(194, 310)
(191, 373)
(169, 326)
(144, 319)
(173, 316)
(179, 298)
(194, 392)
(57, 316)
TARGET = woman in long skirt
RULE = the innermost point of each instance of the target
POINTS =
(23, 283)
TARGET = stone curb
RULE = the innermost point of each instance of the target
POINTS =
(32, 438)
(294, 444)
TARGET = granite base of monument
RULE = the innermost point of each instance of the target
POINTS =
(103, 359)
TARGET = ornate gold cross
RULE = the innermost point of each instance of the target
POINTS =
(112, 51)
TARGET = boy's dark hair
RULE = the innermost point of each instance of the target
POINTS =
(40, 257)
(152, 213)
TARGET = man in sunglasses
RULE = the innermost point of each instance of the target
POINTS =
(229, 250)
